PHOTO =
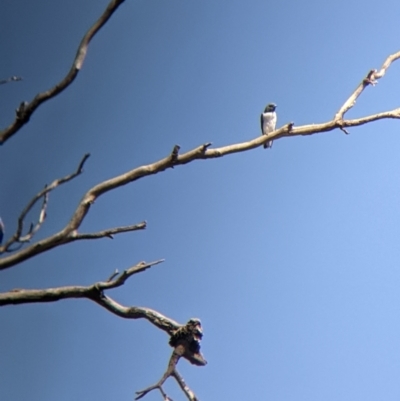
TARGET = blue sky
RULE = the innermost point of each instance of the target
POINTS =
(289, 256)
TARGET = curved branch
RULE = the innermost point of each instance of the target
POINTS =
(95, 293)
(370, 79)
(44, 193)
(184, 387)
(171, 371)
(25, 110)
(11, 79)
(69, 232)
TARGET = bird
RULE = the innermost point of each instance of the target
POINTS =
(1, 230)
(268, 122)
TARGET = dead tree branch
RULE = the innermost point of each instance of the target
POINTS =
(109, 233)
(170, 369)
(370, 79)
(25, 110)
(69, 232)
(189, 335)
(11, 79)
(18, 237)
(185, 388)
(23, 296)
(186, 343)
(95, 293)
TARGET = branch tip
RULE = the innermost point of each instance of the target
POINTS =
(113, 275)
(205, 147)
(10, 79)
(82, 162)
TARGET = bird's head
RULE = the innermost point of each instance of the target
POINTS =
(270, 107)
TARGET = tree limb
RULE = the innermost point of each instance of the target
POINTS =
(95, 293)
(10, 79)
(110, 232)
(370, 79)
(25, 110)
(44, 193)
(69, 232)
(185, 388)
(117, 279)
(186, 343)
(169, 372)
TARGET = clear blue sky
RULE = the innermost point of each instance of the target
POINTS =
(289, 256)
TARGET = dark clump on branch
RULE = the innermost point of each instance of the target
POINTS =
(186, 343)
(189, 336)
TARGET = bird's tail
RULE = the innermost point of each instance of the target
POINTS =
(268, 144)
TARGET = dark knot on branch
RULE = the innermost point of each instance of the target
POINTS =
(188, 338)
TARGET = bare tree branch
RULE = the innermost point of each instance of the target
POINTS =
(111, 231)
(185, 339)
(44, 193)
(20, 239)
(23, 296)
(371, 79)
(95, 293)
(170, 370)
(11, 79)
(25, 110)
(185, 388)
(186, 343)
(69, 232)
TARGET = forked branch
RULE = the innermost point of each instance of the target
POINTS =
(21, 238)
(203, 152)
(370, 79)
(95, 292)
(63, 237)
(186, 343)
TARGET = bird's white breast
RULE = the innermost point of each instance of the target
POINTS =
(269, 122)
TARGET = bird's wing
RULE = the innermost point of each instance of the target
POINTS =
(262, 123)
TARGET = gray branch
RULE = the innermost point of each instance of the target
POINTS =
(25, 109)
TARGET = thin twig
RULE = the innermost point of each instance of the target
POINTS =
(110, 232)
(169, 372)
(95, 293)
(183, 346)
(184, 387)
(17, 237)
(11, 79)
(26, 109)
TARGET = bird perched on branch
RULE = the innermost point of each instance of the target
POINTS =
(268, 122)
(188, 337)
